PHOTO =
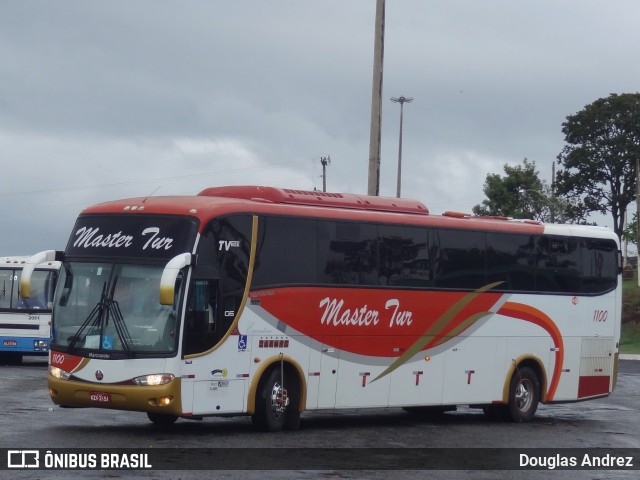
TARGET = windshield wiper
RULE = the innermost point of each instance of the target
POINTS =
(121, 326)
(93, 319)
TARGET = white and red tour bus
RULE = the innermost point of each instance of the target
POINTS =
(269, 302)
(25, 323)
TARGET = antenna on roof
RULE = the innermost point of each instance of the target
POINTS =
(157, 188)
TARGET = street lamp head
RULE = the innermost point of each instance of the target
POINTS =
(402, 99)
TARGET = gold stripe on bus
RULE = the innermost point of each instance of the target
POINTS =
(245, 295)
(440, 325)
(513, 368)
(121, 397)
(275, 360)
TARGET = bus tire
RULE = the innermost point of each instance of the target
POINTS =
(163, 419)
(524, 395)
(292, 422)
(270, 414)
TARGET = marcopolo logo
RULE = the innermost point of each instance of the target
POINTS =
(23, 459)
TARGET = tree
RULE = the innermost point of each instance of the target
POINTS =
(599, 159)
(519, 194)
(630, 233)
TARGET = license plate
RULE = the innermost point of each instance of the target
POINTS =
(100, 397)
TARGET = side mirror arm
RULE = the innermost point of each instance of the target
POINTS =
(170, 274)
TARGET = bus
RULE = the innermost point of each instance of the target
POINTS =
(268, 302)
(25, 323)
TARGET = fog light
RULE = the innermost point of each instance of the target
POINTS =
(164, 401)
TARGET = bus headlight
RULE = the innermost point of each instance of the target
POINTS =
(154, 380)
(56, 372)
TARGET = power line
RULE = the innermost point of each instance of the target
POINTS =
(151, 180)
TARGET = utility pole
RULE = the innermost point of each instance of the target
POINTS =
(376, 102)
(401, 100)
(553, 190)
(325, 161)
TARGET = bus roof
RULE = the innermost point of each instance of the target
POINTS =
(21, 260)
(13, 260)
(217, 201)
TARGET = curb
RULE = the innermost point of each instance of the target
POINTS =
(629, 356)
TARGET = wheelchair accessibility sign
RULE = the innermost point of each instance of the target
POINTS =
(242, 343)
(107, 342)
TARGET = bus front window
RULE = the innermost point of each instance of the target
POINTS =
(113, 309)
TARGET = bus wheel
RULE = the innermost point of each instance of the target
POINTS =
(274, 408)
(524, 395)
(162, 418)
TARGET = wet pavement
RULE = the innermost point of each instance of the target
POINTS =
(30, 420)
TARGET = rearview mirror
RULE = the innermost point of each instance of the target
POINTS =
(29, 267)
(169, 276)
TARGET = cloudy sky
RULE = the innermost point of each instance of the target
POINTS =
(102, 100)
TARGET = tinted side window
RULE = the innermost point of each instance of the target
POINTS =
(558, 262)
(511, 259)
(459, 258)
(404, 257)
(347, 253)
(287, 252)
(599, 265)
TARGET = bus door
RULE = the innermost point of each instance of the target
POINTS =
(209, 364)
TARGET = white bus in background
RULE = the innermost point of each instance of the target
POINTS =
(25, 324)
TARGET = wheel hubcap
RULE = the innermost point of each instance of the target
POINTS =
(279, 399)
(524, 395)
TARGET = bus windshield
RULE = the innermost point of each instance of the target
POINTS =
(112, 309)
(42, 285)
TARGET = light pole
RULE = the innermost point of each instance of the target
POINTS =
(373, 187)
(401, 100)
(325, 161)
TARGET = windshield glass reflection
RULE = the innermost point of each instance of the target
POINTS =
(112, 308)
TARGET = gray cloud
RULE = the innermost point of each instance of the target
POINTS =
(104, 100)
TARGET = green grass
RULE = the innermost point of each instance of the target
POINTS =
(630, 334)
(630, 338)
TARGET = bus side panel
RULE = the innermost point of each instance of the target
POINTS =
(418, 382)
(357, 384)
(470, 371)
(356, 387)
(220, 378)
(219, 396)
(568, 385)
(322, 375)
